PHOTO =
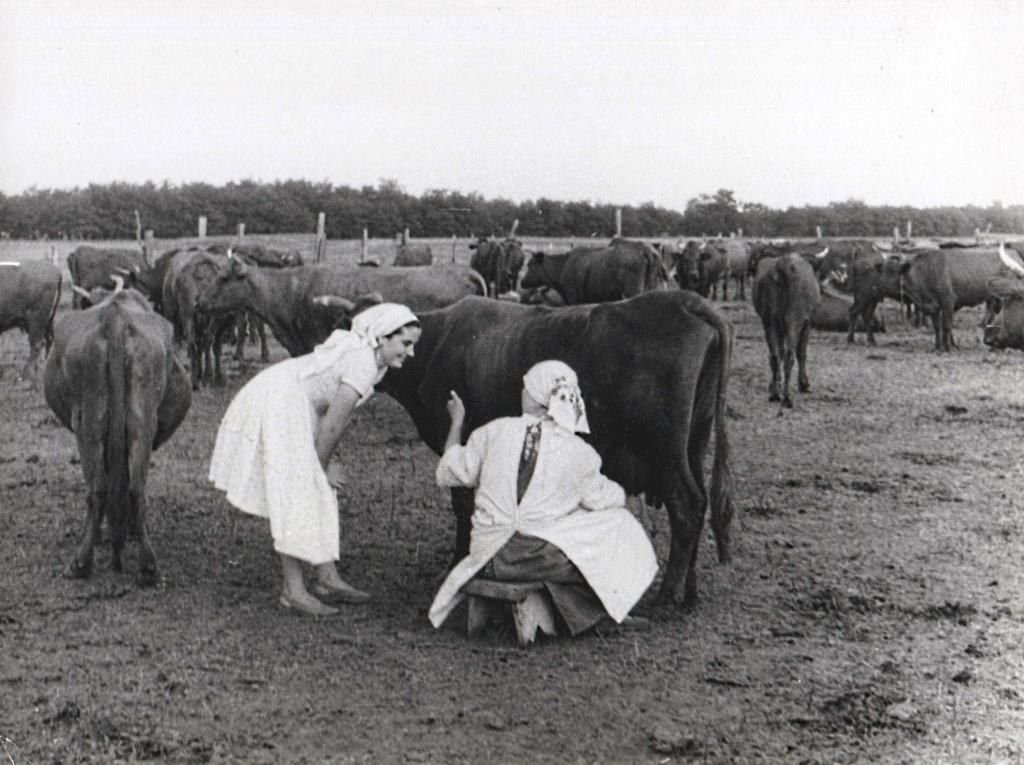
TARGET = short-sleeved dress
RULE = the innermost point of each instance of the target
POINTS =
(265, 454)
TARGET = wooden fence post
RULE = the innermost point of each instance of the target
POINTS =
(910, 228)
(366, 246)
(618, 221)
(147, 247)
(202, 227)
(138, 228)
(405, 236)
(241, 230)
(321, 237)
(817, 231)
(453, 248)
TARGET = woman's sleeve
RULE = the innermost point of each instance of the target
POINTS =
(360, 371)
(460, 465)
(597, 491)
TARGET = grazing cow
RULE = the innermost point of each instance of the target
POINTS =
(188, 274)
(94, 266)
(785, 292)
(285, 298)
(258, 255)
(413, 255)
(653, 371)
(113, 380)
(29, 294)
(499, 263)
(623, 269)
(832, 314)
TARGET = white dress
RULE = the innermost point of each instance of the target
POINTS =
(585, 517)
(265, 454)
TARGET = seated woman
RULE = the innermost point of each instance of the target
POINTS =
(544, 512)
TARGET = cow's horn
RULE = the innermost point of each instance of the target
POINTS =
(78, 290)
(334, 301)
(822, 254)
(118, 283)
(231, 255)
(122, 271)
(1010, 262)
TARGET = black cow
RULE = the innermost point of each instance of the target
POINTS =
(29, 294)
(413, 255)
(623, 269)
(785, 292)
(92, 267)
(112, 379)
(653, 371)
(499, 262)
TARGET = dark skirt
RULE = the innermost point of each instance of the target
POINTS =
(529, 559)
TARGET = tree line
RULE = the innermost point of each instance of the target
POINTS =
(108, 211)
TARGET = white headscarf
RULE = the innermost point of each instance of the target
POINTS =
(381, 320)
(553, 385)
(368, 328)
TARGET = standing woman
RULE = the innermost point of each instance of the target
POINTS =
(278, 435)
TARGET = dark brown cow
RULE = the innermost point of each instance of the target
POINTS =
(285, 298)
(653, 371)
(623, 269)
(832, 314)
(699, 267)
(499, 262)
(201, 333)
(113, 380)
(92, 267)
(413, 255)
(785, 292)
(29, 294)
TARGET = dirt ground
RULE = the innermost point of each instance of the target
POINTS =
(873, 612)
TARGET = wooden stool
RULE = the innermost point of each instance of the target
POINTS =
(529, 602)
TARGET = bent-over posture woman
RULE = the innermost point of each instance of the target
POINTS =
(277, 437)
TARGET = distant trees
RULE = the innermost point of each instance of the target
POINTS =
(108, 212)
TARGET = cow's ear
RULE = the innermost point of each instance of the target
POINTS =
(706, 254)
(904, 267)
(538, 257)
(878, 267)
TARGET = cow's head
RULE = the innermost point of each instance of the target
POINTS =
(535, 276)
(333, 312)
(688, 265)
(1006, 328)
(229, 289)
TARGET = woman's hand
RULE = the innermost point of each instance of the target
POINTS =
(456, 409)
(335, 475)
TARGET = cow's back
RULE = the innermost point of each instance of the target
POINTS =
(970, 271)
(29, 292)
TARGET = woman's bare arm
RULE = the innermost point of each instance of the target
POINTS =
(333, 424)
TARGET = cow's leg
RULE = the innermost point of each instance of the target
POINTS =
(803, 381)
(31, 371)
(686, 504)
(89, 429)
(788, 356)
(462, 506)
(773, 360)
(261, 329)
(241, 327)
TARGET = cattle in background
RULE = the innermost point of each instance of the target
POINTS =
(938, 281)
(699, 267)
(785, 293)
(258, 255)
(29, 294)
(201, 333)
(113, 380)
(92, 267)
(625, 268)
(737, 260)
(285, 298)
(832, 314)
(653, 371)
(413, 255)
(1005, 325)
(499, 262)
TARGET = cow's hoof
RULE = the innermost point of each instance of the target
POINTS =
(804, 387)
(787, 403)
(773, 397)
(148, 578)
(78, 570)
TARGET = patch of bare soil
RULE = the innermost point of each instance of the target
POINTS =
(873, 611)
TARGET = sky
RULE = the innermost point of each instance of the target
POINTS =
(786, 103)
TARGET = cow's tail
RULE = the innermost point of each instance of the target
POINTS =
(116, 331)
(722, 508)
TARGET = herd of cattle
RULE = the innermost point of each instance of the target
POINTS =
(636, 321)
